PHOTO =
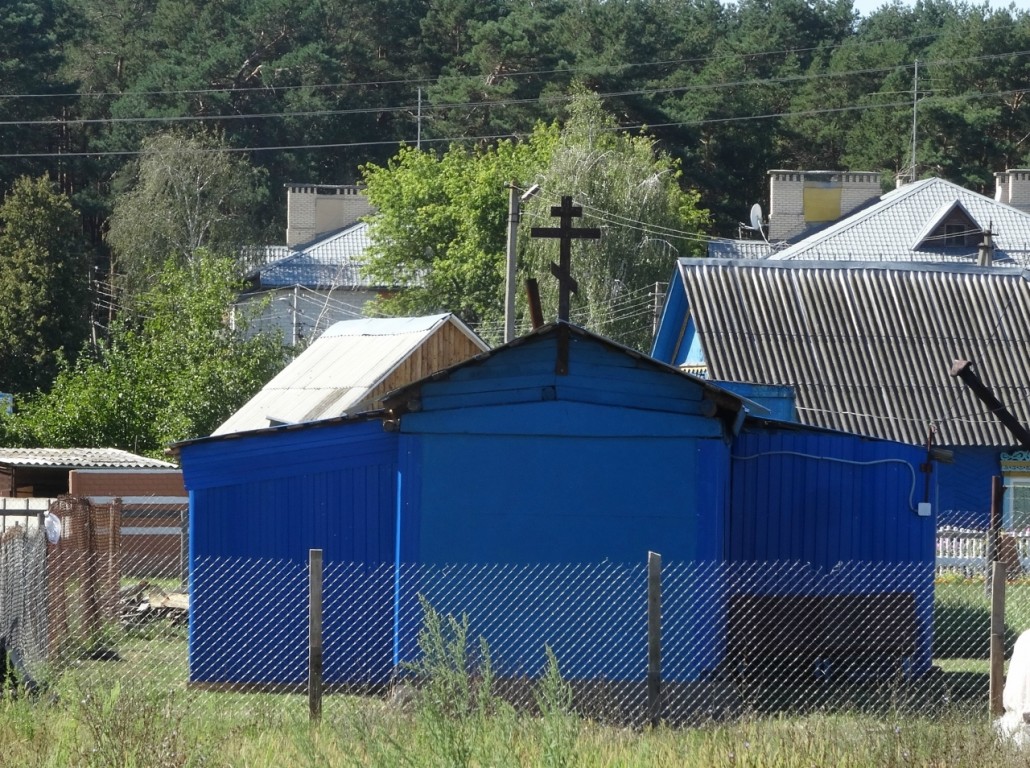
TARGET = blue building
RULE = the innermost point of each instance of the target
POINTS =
(524, 489)
(868, 349)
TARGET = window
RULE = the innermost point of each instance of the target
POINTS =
(954, 234)
(1016, 515)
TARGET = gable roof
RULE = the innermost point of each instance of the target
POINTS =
(333, 260)
(78, 458)
(896, 229)
(868, 347)
(340, 369)
(723, 400)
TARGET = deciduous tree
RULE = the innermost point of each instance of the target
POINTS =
(441, 227)
(632, 192)
(178, 375)
(186, 192)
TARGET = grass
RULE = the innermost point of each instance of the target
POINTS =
(138, 711)
(124, 727)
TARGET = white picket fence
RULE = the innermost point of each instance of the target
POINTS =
(965, 549)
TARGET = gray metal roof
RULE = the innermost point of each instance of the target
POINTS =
(739, 249)
(78, 458)
(869, 347)
(338, 371)
(895, 229)
(332, 261)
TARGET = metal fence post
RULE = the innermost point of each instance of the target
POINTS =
(654, 637)
(315, 635)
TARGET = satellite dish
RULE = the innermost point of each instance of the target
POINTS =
(756, 221)
(756, 217)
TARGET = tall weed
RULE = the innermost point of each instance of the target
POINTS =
(135, 729)
(559, 727)
(455, 701)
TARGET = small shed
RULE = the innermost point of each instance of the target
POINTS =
(523, 488)
(153, 500)
(352, 365)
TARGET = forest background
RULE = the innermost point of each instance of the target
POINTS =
(295, 91)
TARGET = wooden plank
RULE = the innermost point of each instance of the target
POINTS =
(997, 674)
(654, 637)
(315, 635)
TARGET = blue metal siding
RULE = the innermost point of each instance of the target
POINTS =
(963, 487)
(519, 499)
(524, 500)
(778, 400)
(824, 498)
(597, 374)
(257, 506)
(832, 514)
(674, 315)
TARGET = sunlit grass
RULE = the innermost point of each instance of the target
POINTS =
(139, 711)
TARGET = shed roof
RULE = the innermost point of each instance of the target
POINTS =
(339, 370)
(78, 458)
(869, 347)
(894, 229)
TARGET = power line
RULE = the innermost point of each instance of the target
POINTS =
(522, 134)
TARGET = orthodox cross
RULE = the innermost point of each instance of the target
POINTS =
(565, 233)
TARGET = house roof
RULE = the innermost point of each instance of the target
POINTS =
(739, 249)
(78, 458)
(333, 260)
(869, 347)
(339, 369)
(897, 229)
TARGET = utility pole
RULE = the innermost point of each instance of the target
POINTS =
(515, 202)
(915, 107)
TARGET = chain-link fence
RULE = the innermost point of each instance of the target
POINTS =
(682, 643)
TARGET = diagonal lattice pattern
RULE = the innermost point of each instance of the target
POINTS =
(736, 639)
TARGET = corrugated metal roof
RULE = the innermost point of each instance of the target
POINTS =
(338, 370)
(893, 229)
(79, 458)
(333, 260)
(869, 347)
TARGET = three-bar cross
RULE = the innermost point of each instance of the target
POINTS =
(565, 233)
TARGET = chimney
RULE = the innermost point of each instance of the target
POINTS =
(1012, 187)
(313, 210)
(985, 256)
(800, 200)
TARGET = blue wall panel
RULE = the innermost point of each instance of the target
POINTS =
(963, 487)
(597, 373)
(258, 504)
(591, 507)
(672, 328)
(836, 514)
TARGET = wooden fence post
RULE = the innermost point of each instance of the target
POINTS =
(654, 637)
(994, 526)
(315, 635)
(997, 680)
